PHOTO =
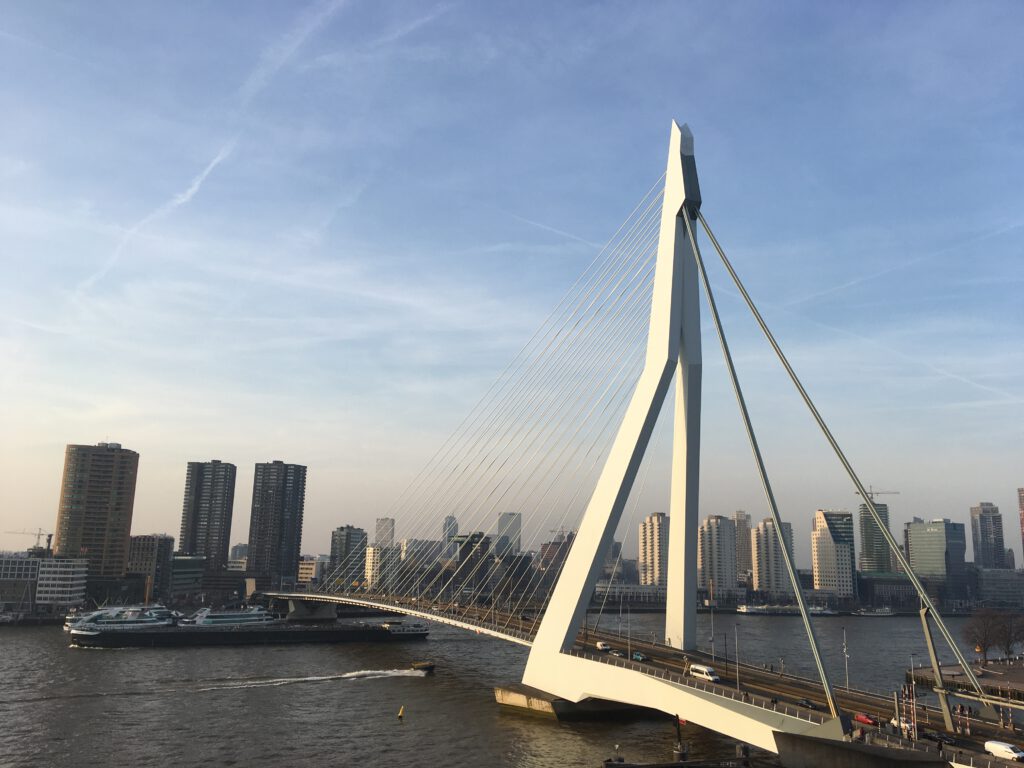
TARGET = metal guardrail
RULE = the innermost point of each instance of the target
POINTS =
(956, 755)
(757, 700)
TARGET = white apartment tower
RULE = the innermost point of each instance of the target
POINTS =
(832, 555)
(769, 566)
(653, 562)
(744, 560)
(716, 556)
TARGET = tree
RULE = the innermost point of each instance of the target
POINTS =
(1008, 632)
(982, 631)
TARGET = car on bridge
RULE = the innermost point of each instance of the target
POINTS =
(864, 719)
(704, 672)
(806, 704)
(617, 652)
(637, 656)
(601, 645)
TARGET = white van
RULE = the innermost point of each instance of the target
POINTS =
(703, 672)
(601, 645)
(1004, 750)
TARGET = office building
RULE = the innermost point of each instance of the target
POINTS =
(348, 556)
(187, 577)
(875, 555)
(151, 557)
(1020, 512)
(508, 540)
(239, 552)
(381, 568)
(385, 532)
(770, 575)
(311, 569)
(97, 497)
(206, 511)
(936, 549)
(716, 556)
(449, 530)
(275, 527)
(832, 553)
(987, 536)
(653, 562)
(62, 583)
(18, 578)
(744, 559)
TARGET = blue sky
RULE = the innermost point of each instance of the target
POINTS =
(317, 232)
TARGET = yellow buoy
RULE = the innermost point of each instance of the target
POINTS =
(401, 712)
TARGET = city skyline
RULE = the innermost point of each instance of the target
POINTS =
(208, 226)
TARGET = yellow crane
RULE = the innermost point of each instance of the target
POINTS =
(37, 533)
(872, 493)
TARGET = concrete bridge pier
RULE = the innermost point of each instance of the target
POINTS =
(301, 610)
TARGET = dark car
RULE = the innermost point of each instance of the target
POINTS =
(939, 738)
(806, 704)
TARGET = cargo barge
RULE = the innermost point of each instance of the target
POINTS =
(186, 635)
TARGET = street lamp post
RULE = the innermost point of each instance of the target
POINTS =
(846, 660)
(736, 630)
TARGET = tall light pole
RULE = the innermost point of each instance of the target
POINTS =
(736, 631)
(846, 660)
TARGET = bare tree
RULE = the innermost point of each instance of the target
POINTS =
(1009, 632)
(982, 631)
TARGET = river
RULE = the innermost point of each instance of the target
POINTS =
(337, 705)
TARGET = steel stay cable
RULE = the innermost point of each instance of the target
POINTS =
(762, 472)
(893, 546)
(612, 278)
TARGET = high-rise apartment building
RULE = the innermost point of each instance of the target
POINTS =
(206, 511)
(987, 536)
(239, 551)
(653, 562)
(832, 553)
(769, 566)
(509, 538)
(875, 555)
(385, 532)
(449, 530)
(1020, 508)
(716, 556)
(936, 549)
(348, 555)
(97, 497)
(744, 558)
(381, 568)
(275, 526)
(151, 556)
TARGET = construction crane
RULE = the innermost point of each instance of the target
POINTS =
(872, 493)
(37, 533)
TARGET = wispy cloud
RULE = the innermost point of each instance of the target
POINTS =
(276, 56)
(180, 199)
(562, 232)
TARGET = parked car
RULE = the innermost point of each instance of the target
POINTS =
(806, 704)
(1004, 750)
(601, 645)
(617, 652)
(864, 719)
(637, 656)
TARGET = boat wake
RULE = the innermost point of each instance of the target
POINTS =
(363, 674)
(228, 684)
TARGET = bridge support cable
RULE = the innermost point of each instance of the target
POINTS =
(886, 533)
(741, 402)
(538, 379)
(608, 306)
(535, 367)
(626, 335)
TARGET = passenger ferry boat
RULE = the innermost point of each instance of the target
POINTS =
(875, 612)
(257, 616)
(409, 631)
(123, 619)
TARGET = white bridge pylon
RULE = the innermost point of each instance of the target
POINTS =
(673, 351)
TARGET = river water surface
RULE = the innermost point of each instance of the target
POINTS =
(323, 705)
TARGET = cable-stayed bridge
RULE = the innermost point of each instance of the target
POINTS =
(558, 445)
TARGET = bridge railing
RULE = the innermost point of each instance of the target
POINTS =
(950, 754)
(701, 685)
